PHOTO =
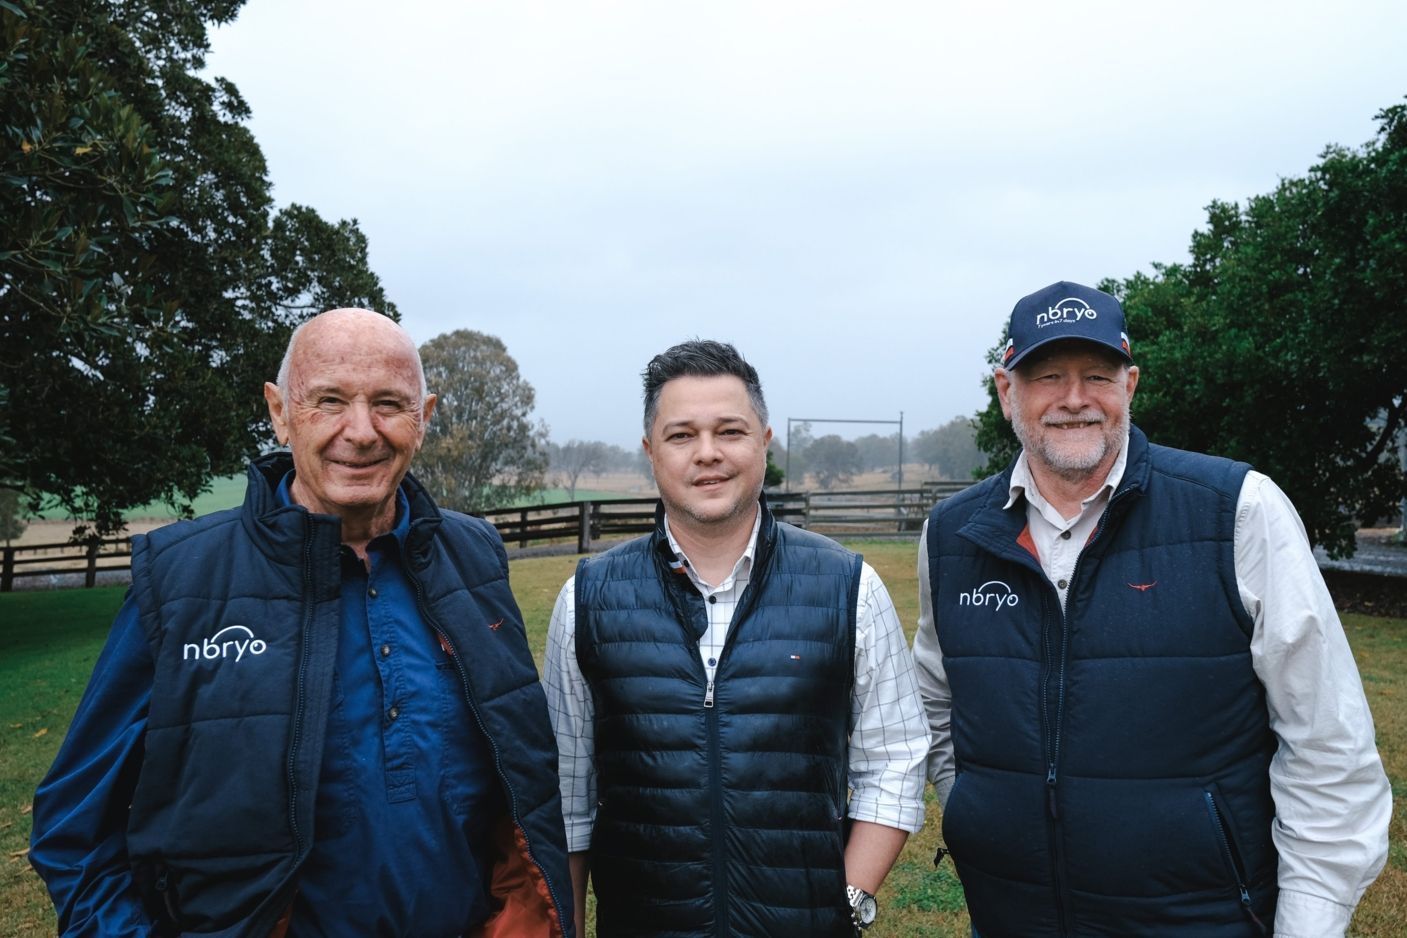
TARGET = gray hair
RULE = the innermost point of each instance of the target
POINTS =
(286, 365)
(699, 358)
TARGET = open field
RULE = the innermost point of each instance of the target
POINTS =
(49, 642)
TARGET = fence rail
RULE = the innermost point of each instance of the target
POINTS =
(871, 512)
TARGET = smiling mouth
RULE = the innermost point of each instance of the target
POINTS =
(355, 466)
(709, 482)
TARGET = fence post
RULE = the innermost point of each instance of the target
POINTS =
(7, 570)
(583, 532)
(90, 577)
(523, 528)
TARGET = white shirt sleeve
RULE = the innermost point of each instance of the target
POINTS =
(572, 713)
(889, 739)
(1332, 798)
(933, 682)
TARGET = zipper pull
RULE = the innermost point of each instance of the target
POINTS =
(1050, 792)
(708, 697)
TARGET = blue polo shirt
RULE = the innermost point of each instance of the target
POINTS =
(406, 801)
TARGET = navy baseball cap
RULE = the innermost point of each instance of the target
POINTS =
(1065, 311)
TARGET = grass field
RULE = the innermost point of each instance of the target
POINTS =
(49, 642)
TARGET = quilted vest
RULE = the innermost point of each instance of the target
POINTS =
(241, 611)
(725, 815)
(1112, 759)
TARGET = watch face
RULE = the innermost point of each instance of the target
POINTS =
(865, 910)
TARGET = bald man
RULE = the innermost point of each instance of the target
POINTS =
(316, 714)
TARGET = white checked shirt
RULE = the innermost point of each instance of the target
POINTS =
(889, 742)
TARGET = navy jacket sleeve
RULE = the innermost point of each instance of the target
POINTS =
(79, 841)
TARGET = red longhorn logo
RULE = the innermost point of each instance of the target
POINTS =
(1143, 587)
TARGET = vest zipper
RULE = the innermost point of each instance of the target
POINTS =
(721, 891)
(1224, 841)
(717, 816)
(1054, 726)
(493, 743)
(304, 650)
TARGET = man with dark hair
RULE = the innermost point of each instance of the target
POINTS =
(1146, 717)
(718, 687)
(316, 714)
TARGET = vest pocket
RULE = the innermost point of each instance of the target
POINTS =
(1226, 840)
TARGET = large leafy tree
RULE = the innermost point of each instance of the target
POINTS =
(482, 449)
(147, 284)
(1283, 340)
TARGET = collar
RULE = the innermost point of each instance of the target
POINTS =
(1022, 483)
(400, 530)
(743, 563)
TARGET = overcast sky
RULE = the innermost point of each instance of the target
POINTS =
(854, 194)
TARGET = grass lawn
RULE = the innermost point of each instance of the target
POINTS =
(49, 642)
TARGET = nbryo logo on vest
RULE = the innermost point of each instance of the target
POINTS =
(233, 641)
(1072, 309)
(994, 595)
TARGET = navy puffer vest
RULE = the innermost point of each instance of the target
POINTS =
(726, 817)
(241, 611)
(1112, 760)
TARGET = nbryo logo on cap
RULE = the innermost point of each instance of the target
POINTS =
(1071, 309)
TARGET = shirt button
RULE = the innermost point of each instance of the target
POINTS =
(393, 712)
(1063, 583)
(371, 592)
(713, 662)
(1065, 535)
(713, 599)
(385, 651)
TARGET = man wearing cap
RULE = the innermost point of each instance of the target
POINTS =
(1146, 717)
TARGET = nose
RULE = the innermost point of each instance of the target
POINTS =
(707, 450)
(1076, 395)
(358, 425)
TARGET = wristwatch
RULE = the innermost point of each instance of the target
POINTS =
(863, 907)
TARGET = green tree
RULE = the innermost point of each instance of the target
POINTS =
(773, 475)
(147, 285)
(950, 449)
(12, 521)
(835, 461)
(482, 449)
(1283, 340)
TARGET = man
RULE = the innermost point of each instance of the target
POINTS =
(317, 714)
(1131, 663)
(716, 686)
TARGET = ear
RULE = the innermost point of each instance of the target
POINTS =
(428, 409)
(274, 399)
(1003, 382)
(649, 453)
(767, 439)
(1132, 381)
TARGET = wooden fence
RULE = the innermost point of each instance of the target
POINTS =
(879, 512)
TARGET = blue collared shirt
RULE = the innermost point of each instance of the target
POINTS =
(406, 800)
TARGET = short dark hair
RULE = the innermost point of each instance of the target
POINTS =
(699, 358)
